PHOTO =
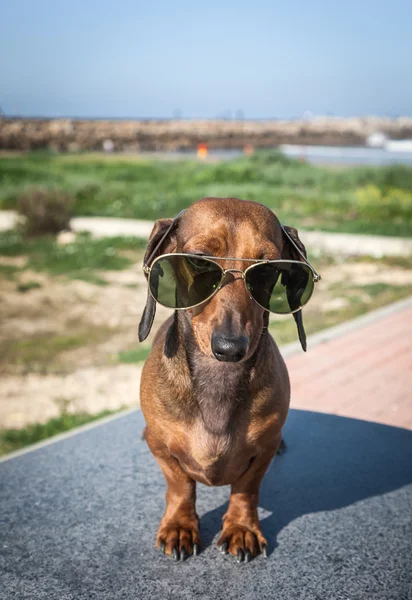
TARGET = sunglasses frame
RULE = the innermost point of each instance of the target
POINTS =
(147, 267)
(214, 259)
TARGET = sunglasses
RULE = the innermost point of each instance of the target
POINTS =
(182, 281)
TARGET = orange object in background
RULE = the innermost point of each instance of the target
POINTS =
(248, 150)
(202, 151)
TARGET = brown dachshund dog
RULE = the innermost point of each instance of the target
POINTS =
(215, 389)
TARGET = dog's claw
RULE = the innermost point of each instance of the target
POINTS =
(282, 447)
(265, 551)
(183, 554)
(163, 547)
(175, 553)
(223, 548)
(195, 549)
(240, 555)
(248, 556)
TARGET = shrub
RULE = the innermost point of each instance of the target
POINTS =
(45, 211)
(390, 204)
(27, 286)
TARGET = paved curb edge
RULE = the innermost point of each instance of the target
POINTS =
(68, 434)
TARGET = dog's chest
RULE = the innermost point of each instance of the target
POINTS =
(207, 447)
(211, 458)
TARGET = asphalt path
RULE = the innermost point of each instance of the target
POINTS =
(79, 519)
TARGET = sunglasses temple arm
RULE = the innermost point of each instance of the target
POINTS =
(317, 276)
(146, 267)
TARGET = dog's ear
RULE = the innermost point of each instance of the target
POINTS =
(290, 252)
(301, 330)
(159, 229)
(169, 245)
(172, 338)
(147, 319)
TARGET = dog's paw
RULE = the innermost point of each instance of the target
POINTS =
(243, 542)
(178, 540)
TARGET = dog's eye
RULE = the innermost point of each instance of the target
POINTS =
(199, 264)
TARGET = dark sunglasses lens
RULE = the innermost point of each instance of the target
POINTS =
(183, 281)
(281, 287)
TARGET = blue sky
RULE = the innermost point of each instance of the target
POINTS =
(205, 59)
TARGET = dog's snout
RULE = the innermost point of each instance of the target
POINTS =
(229, 348)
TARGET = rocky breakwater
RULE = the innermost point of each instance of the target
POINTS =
(85, 135)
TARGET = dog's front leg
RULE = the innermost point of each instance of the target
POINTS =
(241, 534)
(178, 533)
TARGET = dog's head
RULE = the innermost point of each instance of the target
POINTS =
(230, 324)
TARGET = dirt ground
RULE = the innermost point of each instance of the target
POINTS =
(60, 343)
(84, 328)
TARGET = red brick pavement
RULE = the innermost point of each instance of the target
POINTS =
(364, 374)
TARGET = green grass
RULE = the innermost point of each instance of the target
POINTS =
(41, 352)
(382, 293)
(27, 286)
(9, 272)
(356, 199)
(78, 260)
(14, 439)
(134, 355)
(403, 262)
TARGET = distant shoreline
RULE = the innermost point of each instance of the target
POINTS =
(74, 135)
(201, 119)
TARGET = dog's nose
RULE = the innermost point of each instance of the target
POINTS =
(229, 349)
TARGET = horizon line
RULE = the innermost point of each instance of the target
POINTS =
(217, 118)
